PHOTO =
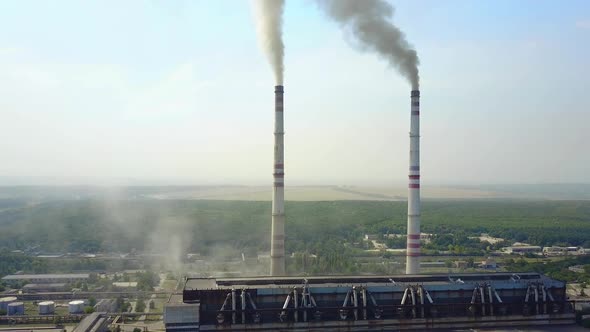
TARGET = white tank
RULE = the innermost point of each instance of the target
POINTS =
(46, 308)
(16, 308)
(5, 301)
(76, 307)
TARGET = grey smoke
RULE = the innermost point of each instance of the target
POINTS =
(370, 23)
(269, 19)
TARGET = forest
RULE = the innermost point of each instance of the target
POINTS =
(141, 225)
(316, 231)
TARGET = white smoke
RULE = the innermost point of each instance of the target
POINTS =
(369, 21)
(269, 22)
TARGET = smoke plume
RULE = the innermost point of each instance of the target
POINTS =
(369, 21)
(269, 20)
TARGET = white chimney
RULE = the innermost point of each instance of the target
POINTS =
(277, 242)
(413, 242)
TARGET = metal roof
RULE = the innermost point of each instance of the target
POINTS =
(46, 276)
(279, 282)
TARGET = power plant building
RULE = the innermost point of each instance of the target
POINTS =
(366, 303)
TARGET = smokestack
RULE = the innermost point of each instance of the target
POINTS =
(277, 242)
(413, 243)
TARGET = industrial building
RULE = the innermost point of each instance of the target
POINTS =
(46, 278)
(523, 249)
(51, 287)
(361, 303)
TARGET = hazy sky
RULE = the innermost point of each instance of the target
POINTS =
(167, 91)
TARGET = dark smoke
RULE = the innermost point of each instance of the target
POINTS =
(369, 21)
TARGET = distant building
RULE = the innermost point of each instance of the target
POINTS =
(523, 249)
(106, 305)
(423, 236)
(577, 268)
(46, 278)
(460, 264)
(489, 263)
(559, 251)
(38, 288)
(124, 284)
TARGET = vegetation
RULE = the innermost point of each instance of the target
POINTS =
(122, 305)
(555, 269)
(13, 262)
(147, 280)
(140, 305)
(316, 231)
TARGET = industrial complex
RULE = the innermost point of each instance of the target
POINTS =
(160, 297)
(365, 303)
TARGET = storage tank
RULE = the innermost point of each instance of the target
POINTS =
(46, 308)
(5, 301)
(15, 309)
(76, 307)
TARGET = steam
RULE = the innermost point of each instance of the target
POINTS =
(269, 19)
(368, 20)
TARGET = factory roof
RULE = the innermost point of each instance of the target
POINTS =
(51, 285)
(272, 282)
(46, 276)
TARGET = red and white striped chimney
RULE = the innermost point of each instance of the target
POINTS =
(413, 243)
(277, 242)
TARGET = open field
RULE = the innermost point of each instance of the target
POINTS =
(328, 193)
(22, 196)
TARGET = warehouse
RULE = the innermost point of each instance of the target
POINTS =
(45, 278)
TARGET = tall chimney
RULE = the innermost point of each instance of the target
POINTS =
(277, 242)
(413, 243)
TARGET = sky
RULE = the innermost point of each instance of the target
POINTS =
(178, 92)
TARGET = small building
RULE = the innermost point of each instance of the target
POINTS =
(123, 284)
(106, 305)
(577, 268)
(489, 263)
(560, 251)
(460, 264)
